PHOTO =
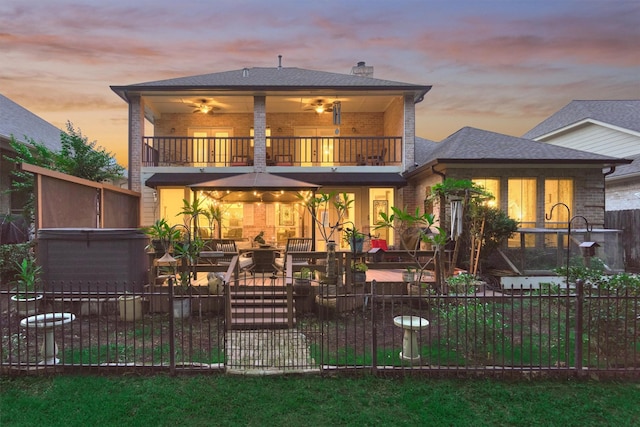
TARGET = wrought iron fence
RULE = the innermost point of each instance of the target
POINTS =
(369, 328)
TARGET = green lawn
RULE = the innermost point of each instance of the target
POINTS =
(312, 401)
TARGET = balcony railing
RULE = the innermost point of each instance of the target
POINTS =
(281, 151)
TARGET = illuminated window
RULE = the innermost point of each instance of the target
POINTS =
(521, 206)
(170, 205)
(558, 191)
(492, 185)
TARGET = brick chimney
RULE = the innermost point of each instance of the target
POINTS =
(362, 70)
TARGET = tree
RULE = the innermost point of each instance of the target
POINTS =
(469, 195)
(84, 159)
(77, 157)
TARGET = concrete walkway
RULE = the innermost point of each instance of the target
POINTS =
(268, 352)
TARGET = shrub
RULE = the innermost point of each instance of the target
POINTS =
(611, 310)
(462, 284)
(475, 330)
(10, 256)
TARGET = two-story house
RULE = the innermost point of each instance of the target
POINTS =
(349, 133)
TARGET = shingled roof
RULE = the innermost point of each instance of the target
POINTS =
(471, 145)
(275, 79)
(18, 121)
(621, 113)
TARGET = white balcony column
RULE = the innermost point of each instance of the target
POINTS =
(136, 130)
(259, 134)
(409, 137)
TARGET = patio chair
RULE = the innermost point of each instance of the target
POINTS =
(378, 159)
(294, 244)
(241, 161)
(228, 246)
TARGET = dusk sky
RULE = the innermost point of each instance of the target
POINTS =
(499, 65)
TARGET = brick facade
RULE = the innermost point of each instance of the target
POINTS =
(136, 132)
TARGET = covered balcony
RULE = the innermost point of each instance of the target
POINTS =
(280, 151)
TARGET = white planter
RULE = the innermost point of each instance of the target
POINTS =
(130, 307)
(27, 306)
(408, 277)
(181, 307)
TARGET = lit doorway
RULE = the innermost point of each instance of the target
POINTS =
(316, 146)
(210, 146)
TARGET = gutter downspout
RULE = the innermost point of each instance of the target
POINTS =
(435, 172)
(612, 169)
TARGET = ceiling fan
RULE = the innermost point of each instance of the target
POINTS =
(205, 106)
(319, 106)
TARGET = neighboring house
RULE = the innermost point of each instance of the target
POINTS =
(23, 125)
(350, 133)
(527, 178)
(605, 127)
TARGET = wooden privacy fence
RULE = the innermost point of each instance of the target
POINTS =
(65, 201)
(629, 222)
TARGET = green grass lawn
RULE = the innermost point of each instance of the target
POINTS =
(312, 401)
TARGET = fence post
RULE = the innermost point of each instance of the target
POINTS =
(579, 320)
(289, 288)
(172, 327)
(374, 338)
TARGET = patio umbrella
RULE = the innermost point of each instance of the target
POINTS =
(254, 186)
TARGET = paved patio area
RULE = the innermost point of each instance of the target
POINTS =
(268, 352)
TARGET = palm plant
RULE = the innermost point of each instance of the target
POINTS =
(28, 276)
(421, 227)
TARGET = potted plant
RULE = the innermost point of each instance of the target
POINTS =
(302, 281)
(355, 239)
(302, 277)
(359, 270)
(321, 208)
(409, 275)
(27, 290)
(162, 236)
(186, 251)
(182, 290)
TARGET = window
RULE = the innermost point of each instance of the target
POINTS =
(492, 185)
(232, 220)
(557, 191)
(170, 204)
(521, 206)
